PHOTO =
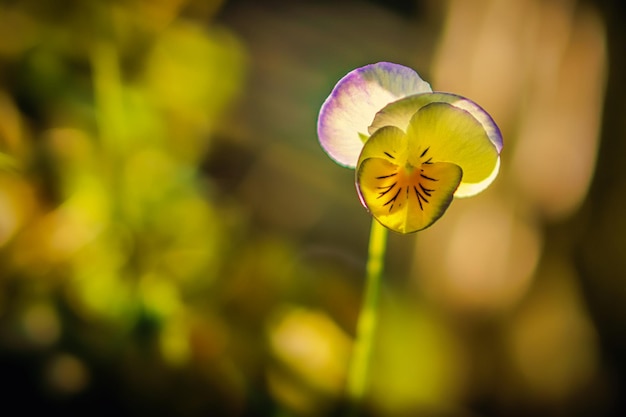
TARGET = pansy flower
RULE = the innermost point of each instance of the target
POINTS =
(413, 149)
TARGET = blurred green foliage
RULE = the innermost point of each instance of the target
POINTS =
(113, 239)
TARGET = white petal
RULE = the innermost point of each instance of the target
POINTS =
(350, 109)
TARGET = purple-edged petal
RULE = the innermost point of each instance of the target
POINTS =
(350, 109)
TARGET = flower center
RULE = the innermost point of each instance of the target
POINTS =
(406, 183)
(404, 188)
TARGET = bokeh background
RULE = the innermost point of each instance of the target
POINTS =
(173, 240)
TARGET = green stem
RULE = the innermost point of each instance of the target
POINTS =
(366, 325)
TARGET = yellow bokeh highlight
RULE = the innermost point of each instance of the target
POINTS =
(160, 296)
(192, 74)
(17, 205)
(416, 364)
(174, 341)
(312, 355)
(66, 374)
(41, 324)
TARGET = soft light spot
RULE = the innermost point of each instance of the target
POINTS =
(67, 374)
(17, 204)
(482, 257)
(416, 363)
(551, 340)
(315, 352)
(11, 130)
(174, 341)
(41, 325)
(479, 53)
(555, 158)
(160, 295)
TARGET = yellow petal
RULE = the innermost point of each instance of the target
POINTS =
(402, 196)
(454, 135)
(389, 143)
